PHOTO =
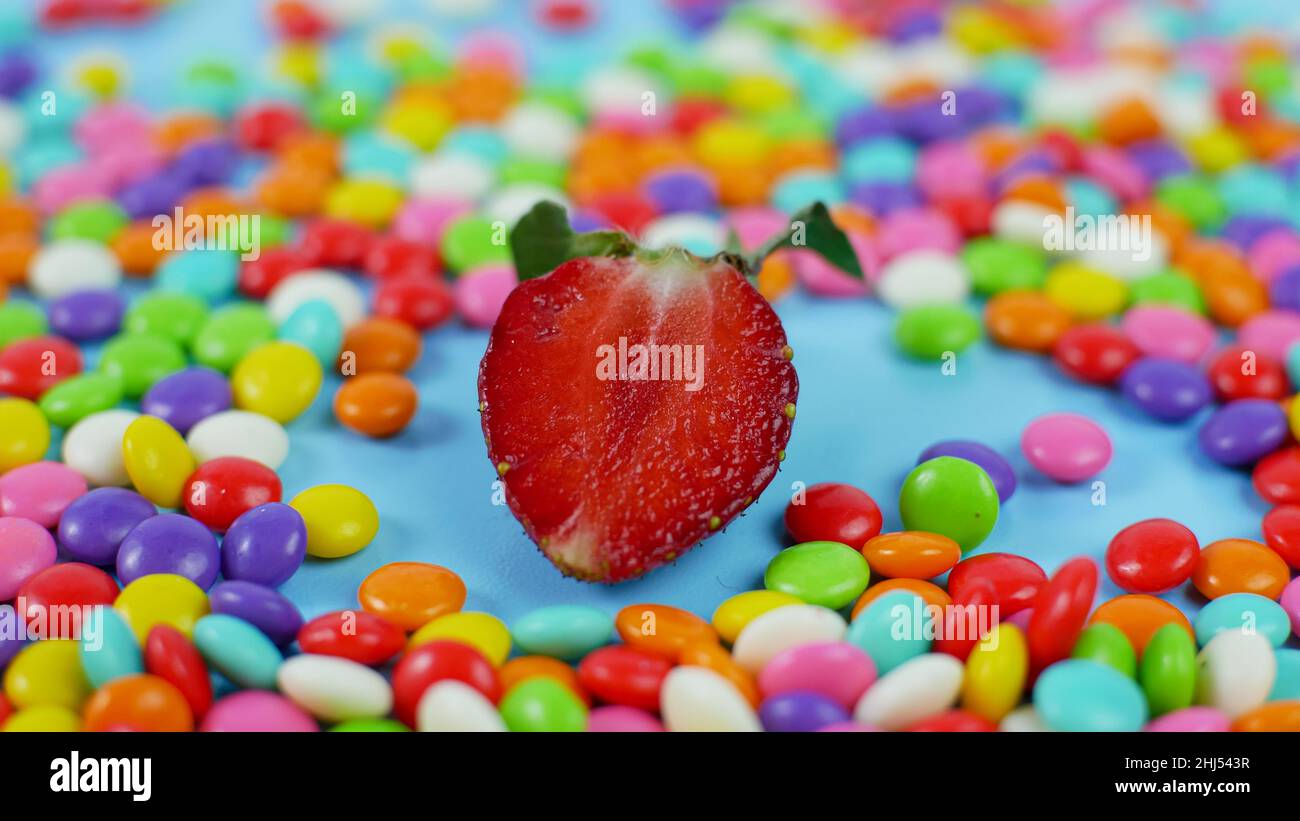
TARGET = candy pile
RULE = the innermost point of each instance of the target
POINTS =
(946, 139)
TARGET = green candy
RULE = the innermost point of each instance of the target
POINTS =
(528, 169)
(1195, 198)
(1106, 644)
(1167, 671)
(21, 320)
(997, 265)
(370, 725)
(97, 220)
(177, 317)
(829, 574)
(422, 65)
(332, 111)
(72, 400)
(951, 497)
(468, 244)
(930, 331)
(139, 360)
(698, 80)
(1168, 288)
(789, 124)
(276, 231)
(230, 333)
(543, 705)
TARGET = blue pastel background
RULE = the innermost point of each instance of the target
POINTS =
(864, 411)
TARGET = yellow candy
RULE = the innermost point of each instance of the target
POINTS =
(340, 520)
(1086, 292)
(47, 673)
(101, 75)
(829, 36)
(1293, 415)
(369, 202)
(756, 93)
(24, 433)
(979, 31)
(300, 62)
(995, 673)
(1217, 150)
(739, 610)
(482, 631)
(157, 460)
(161, 598)
(47, 719)
(6, 179)
(422, 123)
(278, 379)
(724, 142)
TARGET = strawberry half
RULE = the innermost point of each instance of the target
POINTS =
(633, 402)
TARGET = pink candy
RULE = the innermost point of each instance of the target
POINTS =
(424, 221)
(1169, 333)
(914, 229)
(951, 170)
(1114, 170)
(40, 491)
(480, 293)
(756, 225)
(1290, 601)
(64, 186)
(824, 279)
(1273, 253)
(1270, 333)
(618, 719)
(111, 125)
(253, 711)
(1066, 447)
(838, 670)
(1191, 720)
(26, 549)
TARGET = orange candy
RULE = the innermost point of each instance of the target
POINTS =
(911, 554)
(376, 404)
(134, 248)
(1273, 717)
(180, 130)
(1039, 190)
(208, 202)
(481, 93)
(661, 629)
(525, 667)
(294, 189)
(142, 703)
(1026, 320)
(18, 217)
(1240, 566)
(318, 151)
(380, 344)
(1128, 121)
(742, 184)
(776, 277)
(16, 250)
(802, 154)
(715, 657)
(1233, 297)
(1139, 616)
(932, 594)
(411, 594)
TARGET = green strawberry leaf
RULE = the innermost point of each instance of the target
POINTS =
(543, 241)
(813, 228)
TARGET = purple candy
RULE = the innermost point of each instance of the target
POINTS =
(265, 545)
(1159, 159)
(1166, 388)
(800, 711)
(187, 397)
(260, 606)
(17, 72)
(1244, 431)
(917, 25)
(206, 163)
(885, 197)
(583, 221)
(155, 194)
(1243, 229)
(1284, 290)
(86, 315)
(92, 528)
(998, 469)
(864, 124)
(10, 643)
(676, 191)
(169, 543)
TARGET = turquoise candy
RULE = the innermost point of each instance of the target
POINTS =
(1253, 189)
(1087, 696)
(315, 325)
(108, 647)
(1249, 611)
(238, 650)
(795, 192)
(886, 159)
(1286, 687)
(1090, 198)
(483, 143)
(564, 631)
(1293, 356)
(210, 275)
(368, 154)
(892, 629)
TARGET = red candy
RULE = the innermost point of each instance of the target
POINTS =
(6, 709)
(70, 585)
(1060, 611)
(30, 367)
(628, 211)
(621, 675)
(223, 489)
(353, 634)
(833, 512)
(257, 277)
(336, 243)
(954, 721)
(437, 661)
(1277, 477)
(1235, 378)
(978, 594)
(394, 258)
(1152, 556)
(170, 656)
(262, 127)
(1015, 580)
(420, 302)
(1094, 353)
(1282, 533)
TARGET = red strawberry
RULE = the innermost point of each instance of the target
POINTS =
(612, 474)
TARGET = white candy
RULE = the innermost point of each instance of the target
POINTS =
(916, 689)
(782, 628)
(1126, 264)
(334, 688)
(738, 50)
(93, 447)
(1023, 719)
(239, 433)
(1187, 112)
(452, 706)
(1023, 222)
(541, 131)
(870, 66)
(937, 59)
(68, 265)
(513, 201)
(698, 233)
(698, 700)
(13, 128)
(317, 283)
(452, 175)
(620, 91)
(1235, 672)
(923, 278)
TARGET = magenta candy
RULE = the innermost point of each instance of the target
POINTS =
(824, 279)
(1270, 333)
(1191, 720)
(257, 711)
(69, 184)
(424, 221)
(1066, 447)
(26, 549)
(480, 293)
(1290, 601)
(756, 225)
(113, 124)
(915, 229)
(1168, 332)
(1021, 618)
(615, 718)
(40, 491)
(1273, 253)
(838, 670)
(949, 170)
(848, 727)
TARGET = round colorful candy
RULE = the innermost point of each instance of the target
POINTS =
(141, 702)
(187, 397)
(833, 512)
(952, 497)
(92, 528)
(423, 666)
(28, 549)
(911, 554)
(361, 637)
(376, 404)
(411, 594)
(264, 545)
(661, 629)
(272, 613)
(1276, 477)
(543, 705)
(40, 492)
(157, 460)
(340, 520)
(1243, 432)
(278, 379)
(998, 468)
(1166, 389)
(1015, 580)
(1240, 566)
(1066, 447)
(829, 574)
(169, 543)
(1105, 643)
(237, 650)
(1077, 695)
(1095, 353)
(1060, 611)
(221, 490)
(169, 655)
(1152, 556)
